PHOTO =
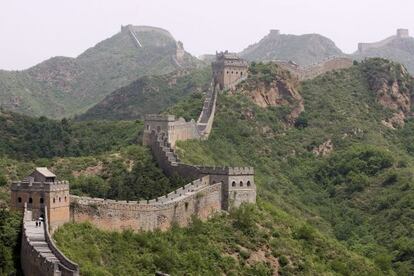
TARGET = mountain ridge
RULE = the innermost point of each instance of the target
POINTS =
(64, 86)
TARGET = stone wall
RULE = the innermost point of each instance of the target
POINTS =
(314, 70)
(195, 199)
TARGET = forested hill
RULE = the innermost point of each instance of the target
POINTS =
(62, 86)
(23, 137)
(303, 49)
(150, 94)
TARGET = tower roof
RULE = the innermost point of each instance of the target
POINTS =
(45, 172)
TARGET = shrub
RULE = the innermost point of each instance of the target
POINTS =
(3, 180)
(283, 261)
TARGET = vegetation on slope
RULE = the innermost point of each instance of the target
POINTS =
(10, 224)
(360, 194)
(250, 241)
(303, 49)
(306, 203)
(62, 86)
(150, 94)
(26, 137)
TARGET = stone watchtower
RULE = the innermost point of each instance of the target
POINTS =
(228, 69)
(41, 189)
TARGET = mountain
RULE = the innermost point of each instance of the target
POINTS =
(149, 94)
(399, 48)
(63, 86)
(304, 49)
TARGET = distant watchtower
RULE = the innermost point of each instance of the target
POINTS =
(41, 189)
(228, 69)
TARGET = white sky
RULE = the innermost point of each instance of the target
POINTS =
(34, 30)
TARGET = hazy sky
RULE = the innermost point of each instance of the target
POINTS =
(34, 30)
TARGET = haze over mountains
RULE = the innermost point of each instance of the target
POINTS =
(63, 87)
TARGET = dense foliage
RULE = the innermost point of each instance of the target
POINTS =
(138, 179)
(25, 137)
(249, 241)
(10, 224)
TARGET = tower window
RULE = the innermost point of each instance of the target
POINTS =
(65, 199)
(233, 184)
(186, 206)
(30, 200)
(147, 127)
(41, 200)
(248, 184)
(60, 199)
(241, 183)
(54, 200)
(19, 200)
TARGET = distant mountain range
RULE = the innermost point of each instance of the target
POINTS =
(63, 86)
(304, 49)
(113, 72)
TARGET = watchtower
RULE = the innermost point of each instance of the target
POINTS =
(238, 184)
(41, 189)
(403, 33)
(228, 69)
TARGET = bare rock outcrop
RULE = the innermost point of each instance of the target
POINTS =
(324, 149)
(394, 92)
(277, 88)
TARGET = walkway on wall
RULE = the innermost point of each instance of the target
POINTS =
(45, 258)
(36, 236)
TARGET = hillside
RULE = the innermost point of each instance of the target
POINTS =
(339, 167)
(63, 86)
(397, 48)
(24, 137)
(303, 49)
(334, 187)
(149, 94)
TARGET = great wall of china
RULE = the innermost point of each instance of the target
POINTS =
(210, 190)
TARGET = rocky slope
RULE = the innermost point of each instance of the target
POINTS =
(393, 87)
(64, 86)
(303, 49)
(268, 85)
